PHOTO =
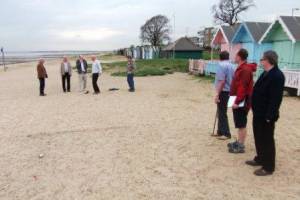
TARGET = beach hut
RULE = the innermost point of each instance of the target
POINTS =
(182, 48)
(223, 38)
(249, 35)
(284, 34)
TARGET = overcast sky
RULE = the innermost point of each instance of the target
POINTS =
(108, 24)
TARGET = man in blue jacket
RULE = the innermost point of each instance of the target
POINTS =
(266, 101)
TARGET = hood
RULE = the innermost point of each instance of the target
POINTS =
(252, 66)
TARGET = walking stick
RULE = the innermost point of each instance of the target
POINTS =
(215, 123)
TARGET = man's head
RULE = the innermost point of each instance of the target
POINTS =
(269, 59)
(93, 57)
(224, 55)
(41, 61)
(241, 56)
(80, 57)
(65, 59)
(129, 58)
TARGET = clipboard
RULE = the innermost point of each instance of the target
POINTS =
(232, 100)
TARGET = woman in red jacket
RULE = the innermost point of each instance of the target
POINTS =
(242, 88)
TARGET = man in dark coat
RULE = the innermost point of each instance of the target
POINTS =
(266, 101)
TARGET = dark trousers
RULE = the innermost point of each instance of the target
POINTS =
(42, 85)
(130, 81)
(223, 126)
(66, 78)
(95, 85)
(264, 143)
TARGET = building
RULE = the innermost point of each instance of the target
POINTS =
(182, 48)
(284, 35)
(248, 35)
(222, 40)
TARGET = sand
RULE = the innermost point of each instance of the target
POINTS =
(152, 144)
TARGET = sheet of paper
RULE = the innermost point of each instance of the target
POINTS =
(232, 100)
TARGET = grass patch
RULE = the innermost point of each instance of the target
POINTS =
(207, 55)
(155, 67)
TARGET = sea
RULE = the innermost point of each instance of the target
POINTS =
(14, 57)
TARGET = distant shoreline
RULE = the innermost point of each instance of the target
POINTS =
(31, 56)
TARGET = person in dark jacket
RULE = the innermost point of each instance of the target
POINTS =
(241, 88)
(266, 101)
(82, 69)
(42, 75)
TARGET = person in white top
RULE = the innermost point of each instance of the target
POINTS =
(66, 73)
(96, 71)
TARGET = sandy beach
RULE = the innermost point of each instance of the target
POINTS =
(152, 144)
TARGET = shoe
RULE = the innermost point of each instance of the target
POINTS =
(131, 90)
(69, 91)
(252, 163)
(238, 148)
(224, 137)
(262, 172)
(43, 95)
(96, 93)
(232, 144)
(86, 92)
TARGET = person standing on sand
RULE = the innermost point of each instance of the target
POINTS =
(96, 72)
(266, 101)
(130, 74)
(241, 88)
(82, 68)
(223, 80)
(42, 75)
(66, 73)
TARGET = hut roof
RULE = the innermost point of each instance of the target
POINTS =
(255, 29)
(290, 24)
(182, 44)
(227, 32)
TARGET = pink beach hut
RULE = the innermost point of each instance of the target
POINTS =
(223, 38)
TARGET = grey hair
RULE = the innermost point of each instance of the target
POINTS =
(271, 57)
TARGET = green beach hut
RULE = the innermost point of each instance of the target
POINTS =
(183, 48)
(284, 34)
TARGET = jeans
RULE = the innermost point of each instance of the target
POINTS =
(66, 77)
(42, 85)
(223, 127)
(130, 81)
(95, 85)
(264, 143)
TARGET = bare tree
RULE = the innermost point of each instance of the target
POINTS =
(228, 11)
(156, 30)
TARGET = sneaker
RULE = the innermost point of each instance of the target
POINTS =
(86, 92)
(238, 148)
(131, 90)
(262, 172)
(224, 137)
(232, 144)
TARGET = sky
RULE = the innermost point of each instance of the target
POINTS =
(33, 25)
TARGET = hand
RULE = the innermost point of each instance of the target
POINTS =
(217, 99)
(235, 106)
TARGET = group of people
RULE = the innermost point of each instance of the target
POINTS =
(82, 70)
(264, 98)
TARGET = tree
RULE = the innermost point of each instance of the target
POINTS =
(228, 11)
(156, 30)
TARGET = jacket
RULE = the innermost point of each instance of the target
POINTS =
(242, 83)
(78, 66)
(41, 71)
(267, 95)
(63, 71)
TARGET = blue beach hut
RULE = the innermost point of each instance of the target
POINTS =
(248, 35)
